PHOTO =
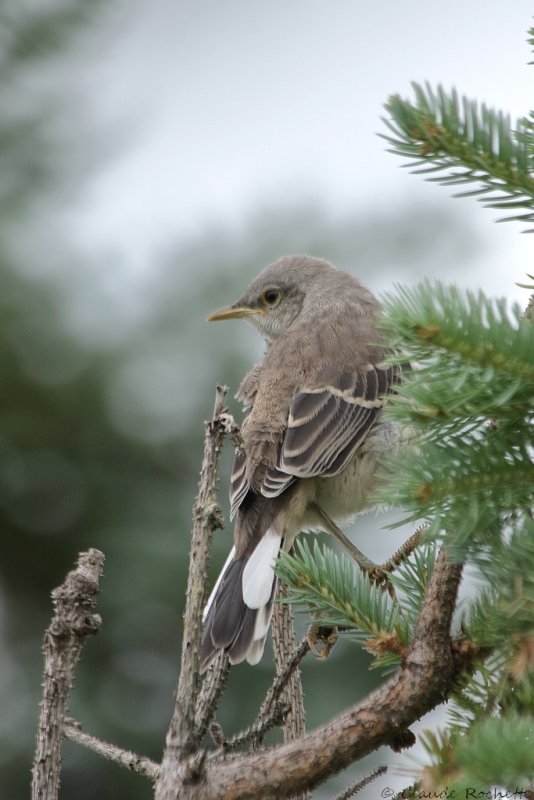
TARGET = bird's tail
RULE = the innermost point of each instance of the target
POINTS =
(238, 613)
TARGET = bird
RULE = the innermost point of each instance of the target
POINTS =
(311, 438)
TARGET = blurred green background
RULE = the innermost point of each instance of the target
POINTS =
(105, 382)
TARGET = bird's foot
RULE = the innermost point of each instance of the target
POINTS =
(325, 636)
(380, 577)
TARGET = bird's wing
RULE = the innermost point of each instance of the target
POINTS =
(327, 422)
(239, 484)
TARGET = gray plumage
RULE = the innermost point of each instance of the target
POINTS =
(310, 438)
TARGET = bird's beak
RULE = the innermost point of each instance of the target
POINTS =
(234, 312)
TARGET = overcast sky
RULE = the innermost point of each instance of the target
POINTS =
(211, 109)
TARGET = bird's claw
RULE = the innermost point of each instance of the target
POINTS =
(326, 636)
(380, 578)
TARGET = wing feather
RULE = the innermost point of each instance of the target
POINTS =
(328, 422)
(239, 484)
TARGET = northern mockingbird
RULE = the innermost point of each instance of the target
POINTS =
(310, 440)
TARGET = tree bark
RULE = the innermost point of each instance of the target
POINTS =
(72, 623)
(181, 767)
(423, 682)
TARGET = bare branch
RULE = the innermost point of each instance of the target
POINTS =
(212, 689)
(273, 710)
(254, 733)
(73, 622)
(181, 761)
(125, 758)
(284, 647)
(271, 707)
(273, 695)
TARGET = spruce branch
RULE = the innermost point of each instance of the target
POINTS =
(475, 483)
(472, 143)
(474, 359)
(411, 578)
(476, 331)
(504, 611)
(338, 593)
(498, 751)
(492, 751)
(478, 698)
(425, 679)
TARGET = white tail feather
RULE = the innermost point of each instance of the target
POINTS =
(217, 584)
(263, 622)
(256, 651)
(258, 575)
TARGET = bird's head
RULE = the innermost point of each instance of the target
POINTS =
(275, 299)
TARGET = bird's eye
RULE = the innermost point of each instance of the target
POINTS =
(271, 297)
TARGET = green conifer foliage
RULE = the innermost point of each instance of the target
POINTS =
(466, 465)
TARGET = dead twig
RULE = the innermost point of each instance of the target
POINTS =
(212, 689)
(285, 650)
(274, 694)
(125, 758)
(73, 622)
(182, 761)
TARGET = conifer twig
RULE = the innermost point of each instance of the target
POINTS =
(353, 790)
(442, 131)
(405, 550)
(255, 732)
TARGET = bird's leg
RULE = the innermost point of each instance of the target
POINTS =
(375, 572)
